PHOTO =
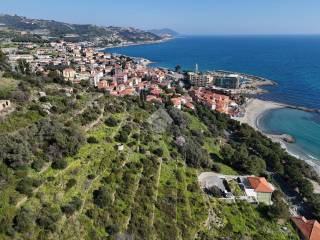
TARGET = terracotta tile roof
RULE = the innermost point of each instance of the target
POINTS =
(151, 98)
(310, 229)
(113, 84)
(127, 91)
(156, 91)
(260, 184)
(189, 105)
(176, 101)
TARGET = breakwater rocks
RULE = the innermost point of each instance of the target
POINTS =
(287, 138)
(311, 110)
(282, 138)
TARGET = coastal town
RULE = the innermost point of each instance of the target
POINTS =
(159, 120)
(120, 76)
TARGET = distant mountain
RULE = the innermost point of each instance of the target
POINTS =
(165, 32)
(76, 32)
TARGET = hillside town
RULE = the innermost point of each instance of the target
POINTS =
(121, 76)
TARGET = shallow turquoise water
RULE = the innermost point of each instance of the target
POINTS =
(303, 126)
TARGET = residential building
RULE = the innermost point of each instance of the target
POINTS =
(190, 105)
(231, 81)
(96, 77)
(176, 102)
(121, 77)
(69, 73)
(258, 188)
(214, 101)
(307, 229)
(200, 80)
(14, 57)
(156, 91)
(127, 92)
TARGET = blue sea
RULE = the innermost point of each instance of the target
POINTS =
(291, 61)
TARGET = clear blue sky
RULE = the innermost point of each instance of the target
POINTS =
(185, 16)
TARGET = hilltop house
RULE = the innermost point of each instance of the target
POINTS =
(69, 73)
(258, 188)
(308, 229)
(247, 188)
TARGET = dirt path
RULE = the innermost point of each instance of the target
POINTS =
(21, 202)
(96, 122)
(26, 198)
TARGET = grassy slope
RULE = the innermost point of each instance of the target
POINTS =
(159, 195)
(6, 86)
(241, 220)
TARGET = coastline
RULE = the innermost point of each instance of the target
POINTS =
(256, 109)
(134, 44)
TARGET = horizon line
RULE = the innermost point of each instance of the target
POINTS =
(179, 34)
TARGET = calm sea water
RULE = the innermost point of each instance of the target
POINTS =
(292, 61)
(303, 126)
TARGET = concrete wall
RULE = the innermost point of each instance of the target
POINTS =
(264, 198)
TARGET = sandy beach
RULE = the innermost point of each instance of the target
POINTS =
(255, 108)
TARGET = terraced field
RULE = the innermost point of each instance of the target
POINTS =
(145, 190)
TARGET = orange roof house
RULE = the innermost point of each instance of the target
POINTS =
(258, 188)
(260, 184)
(176, 102)
(308, 229)
(126, 92)
(156, 92)
(190, 105)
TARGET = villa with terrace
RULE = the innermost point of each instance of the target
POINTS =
(248, 188)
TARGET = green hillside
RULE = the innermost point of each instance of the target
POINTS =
(64, 175)
(72, 32)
